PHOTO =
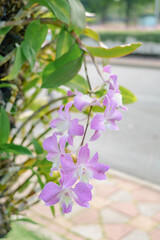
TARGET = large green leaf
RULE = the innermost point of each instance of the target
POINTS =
(4, 126)
(33, 40)
(92, 34)
(64, 42)
(79, 83)
(63, 69)
(118, 51)
(127, 96)
(60, 8)
(78, 18)
(16, 149)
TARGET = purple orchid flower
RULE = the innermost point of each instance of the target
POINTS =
(65, 125)
(55, 150)
(114, 93)
(82, 101)
(108, 119)
(84, 169)
(53, 193)
(107, 69)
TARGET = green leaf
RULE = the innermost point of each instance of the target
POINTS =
(79, 83)
(92, 34)
(16, 149)
(60, 8)
(4, 30)
(29, 53)
(8, 85)
(64, 43)
(24, 220)
(98, 109)
(1, 58)
(63, 69)
(18, 62)
(33, 40)
(37, 146)
(30, 84)
(78, 18)
(118, 51)
(127, 96)
(4, 126)
(52, 210)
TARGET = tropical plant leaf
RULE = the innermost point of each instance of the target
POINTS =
(37, 146)
(78, 18)
(127, 96)
(64, 43)
(92, 34)
(4, 30)
(4, 126)
(16, 149)
(79, 83)
(33, 40)
(18, 62)
(118, 51)
(30, 84)
(63, 69)
(60, 8)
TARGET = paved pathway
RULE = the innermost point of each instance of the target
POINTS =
(121, 209)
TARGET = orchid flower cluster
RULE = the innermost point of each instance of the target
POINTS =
(77, 169)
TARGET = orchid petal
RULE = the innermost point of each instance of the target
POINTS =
(97, 122)
(83, 155)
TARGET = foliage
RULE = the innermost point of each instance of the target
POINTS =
(44, 52)
(145, 36)
(126, 10)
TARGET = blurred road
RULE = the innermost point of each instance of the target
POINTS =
(135, 149)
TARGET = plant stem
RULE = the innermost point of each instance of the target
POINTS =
(86, 126)
(52, 21)
(86, 72)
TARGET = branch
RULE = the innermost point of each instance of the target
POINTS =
(52, 21)
(86, 50)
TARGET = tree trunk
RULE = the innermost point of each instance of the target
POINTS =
(8, 9)
(4, 221)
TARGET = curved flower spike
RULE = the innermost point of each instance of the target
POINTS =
(84, 168)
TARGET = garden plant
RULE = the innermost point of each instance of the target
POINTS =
(47, 107)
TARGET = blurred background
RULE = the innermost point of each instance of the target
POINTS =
(135, 149)
(125, 21)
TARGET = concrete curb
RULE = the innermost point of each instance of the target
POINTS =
(139, 181)
(129, 61)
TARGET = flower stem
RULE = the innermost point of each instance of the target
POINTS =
(86, 126)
